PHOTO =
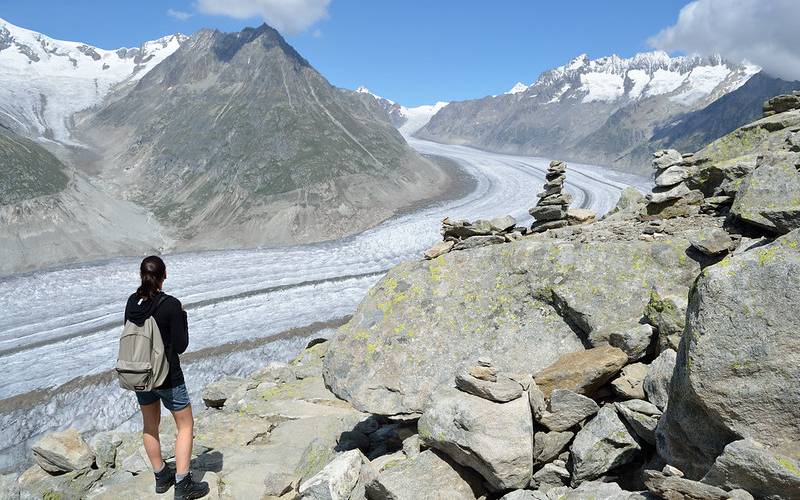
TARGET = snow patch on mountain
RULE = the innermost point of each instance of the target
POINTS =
(44, 82)
(418, 117)
(518, 87)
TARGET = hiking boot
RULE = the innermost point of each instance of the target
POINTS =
(164, 479)
(188, 488)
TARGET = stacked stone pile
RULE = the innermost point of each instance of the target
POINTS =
(671, 196)
(463, 234)
(551, 210)
(782, 103)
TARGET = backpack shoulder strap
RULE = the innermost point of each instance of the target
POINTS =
(159, 302)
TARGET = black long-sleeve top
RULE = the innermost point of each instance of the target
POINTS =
(171, 320)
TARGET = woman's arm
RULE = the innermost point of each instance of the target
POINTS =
(179, 328)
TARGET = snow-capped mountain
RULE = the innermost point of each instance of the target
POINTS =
(686, 80)
(43, 81)
(407, 120)
(596, 111)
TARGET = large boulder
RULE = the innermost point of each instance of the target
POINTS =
(566, 409)
(425, 320)
(773, 187)
(63, 452)
(602, 445)
(659, 376)
(428, 476)
(751, 466)
(336, 480)
(494, 439)
(674, 487)
(739, 360)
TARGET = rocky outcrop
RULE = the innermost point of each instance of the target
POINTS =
(605, 443)
(63, 452)
(782, 103)
(739, 355)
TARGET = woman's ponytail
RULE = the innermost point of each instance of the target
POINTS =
(153, 272)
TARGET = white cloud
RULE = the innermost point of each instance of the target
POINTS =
(178, 14)
(317, 34)
(287, 16)
(763, 32)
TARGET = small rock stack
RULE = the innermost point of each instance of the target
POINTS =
(782, 103)
(463, 234)
(672, 197)
(551, 210)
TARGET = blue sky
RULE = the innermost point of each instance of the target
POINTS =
(412, 51)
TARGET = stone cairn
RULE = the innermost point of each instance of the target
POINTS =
(552, 211)
(463, 234)
(671, 197)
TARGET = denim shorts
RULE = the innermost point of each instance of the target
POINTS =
(174, 398)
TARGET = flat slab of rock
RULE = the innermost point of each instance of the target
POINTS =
(63, 452)
(751, 466)
(502, 390)
(566, 409)
(580, 216)
(677, 487)
(603, 444)
(583, 372)
(671, 176)
(665, 194)
(428, 476)
(666, 158)
(479, 241)
(739, 360)
(643, 423)
(438, 249)
(494, 439)
(548, 212)
(551, 476)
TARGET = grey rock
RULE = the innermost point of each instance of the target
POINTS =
(542, 226)
(603, 444)
(659, 377)
(478, 241)
(502, 224)
(502, 390)
(276, 372)
(336, 480)
(668, 315)
(641, 406)
(63, 452)
(635, 340)
(740, 354)
(714, 242)
(37, 484)
(562, 199)
(662, 195)
(519, 495)
(547, 446)
(580, 216)
(751, 466)
(681, 488)
(412, 446)
(566, 409)
(738, 494)
(438, 249)
(643, 425)
(548, 212)
(784, 219)
(536, 400)
(494, 439)
(551, 476)
(429, 476)
(770, 187)
(591, 490)
(666, 158)
(216, 393)
(629, 383)
(669, 470)
(671, 176)
(104, 445)
(277, 483)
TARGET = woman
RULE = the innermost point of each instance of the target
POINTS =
(170, 317)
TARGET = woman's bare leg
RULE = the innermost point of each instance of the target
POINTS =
(183, 442)
(151, 416)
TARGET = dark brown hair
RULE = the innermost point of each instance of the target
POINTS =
(153, 272)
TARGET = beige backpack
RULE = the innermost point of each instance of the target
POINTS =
(142, 363)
